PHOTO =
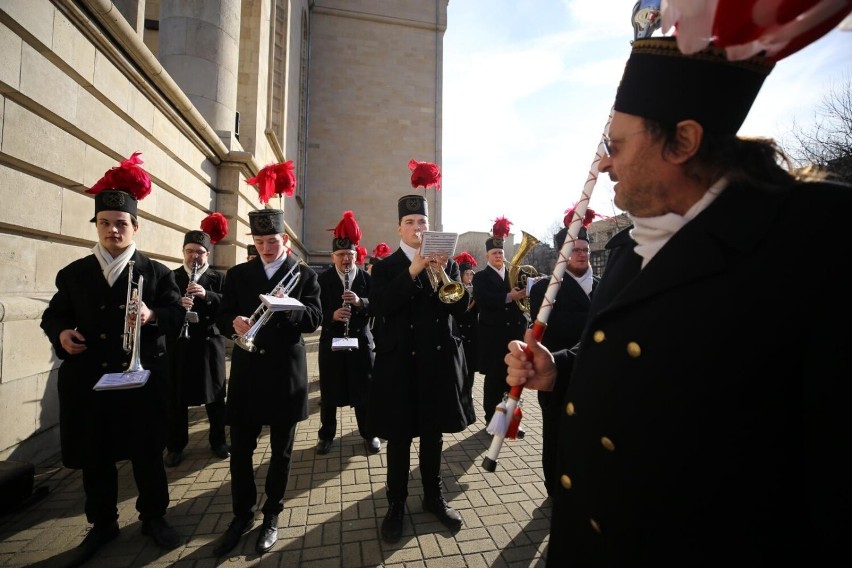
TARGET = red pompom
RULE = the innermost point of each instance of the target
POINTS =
(426, 174)
(360, 254)
(501, 228)
(348, 228)
(381, 250)
(463, 257)
(127, 176)
(587, 219)
(275, 179)
(216, 226)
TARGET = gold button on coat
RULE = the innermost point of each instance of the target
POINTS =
(607, 443)
(565, 481)
(599, 336)
(569, 409)
(633, 349)
(595, 526)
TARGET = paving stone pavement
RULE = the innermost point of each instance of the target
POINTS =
(333, 507)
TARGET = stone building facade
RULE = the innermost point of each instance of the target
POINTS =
(209, 91)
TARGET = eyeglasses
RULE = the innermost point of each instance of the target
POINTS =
(607, 141)
(344, 254)
(195, 252)
(581, 251)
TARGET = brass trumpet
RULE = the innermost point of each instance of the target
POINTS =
(133, 309)
(449, 291)
(262, 314)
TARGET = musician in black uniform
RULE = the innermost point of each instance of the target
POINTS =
(500, 318)
(197, 353)
(269, 385)
(345, 374)
(85, 322)
(418, 381)
(467, 324)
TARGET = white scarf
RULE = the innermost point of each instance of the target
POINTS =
(652, 233)
(201, 270)
(272, 267)
(584, 280)
(112, 267)
(352, 272)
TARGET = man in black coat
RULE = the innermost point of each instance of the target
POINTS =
(500, 321)
(467, 324)
(197, 353)
(564, 326)
(418, 380)
(345, 373)
(706, 420)
(85, 322)
(268, 385)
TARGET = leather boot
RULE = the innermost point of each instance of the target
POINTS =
(268, 534)
(238, 527)
(98, 536)
(447, 515)
(392, 525)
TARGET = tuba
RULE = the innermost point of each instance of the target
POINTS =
(519, 273)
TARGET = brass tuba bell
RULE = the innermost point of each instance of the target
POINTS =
(519, 273)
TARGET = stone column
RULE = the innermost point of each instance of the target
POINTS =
(199, 48)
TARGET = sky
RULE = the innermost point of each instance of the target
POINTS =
(528, 88)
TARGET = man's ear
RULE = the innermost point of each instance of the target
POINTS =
(688, 138)
(285, 238)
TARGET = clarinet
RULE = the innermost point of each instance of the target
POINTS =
(190, 316)
(346, 289)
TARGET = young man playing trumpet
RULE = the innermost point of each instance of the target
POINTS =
(418, 378)
(88, 324)
(268, 385)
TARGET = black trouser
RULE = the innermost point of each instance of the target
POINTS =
(549, 427)
(493, 389)
(328, 421)
(399, 464)
(179, 424)
(100, 482)
(243, 489)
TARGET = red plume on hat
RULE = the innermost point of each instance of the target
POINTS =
(216, 226)
(465, 257)
(275, 179)
(348, 228)
(127, 176)
(587, 218)
(381, 250)
(426, 174)
(501, 228)
(360, 254)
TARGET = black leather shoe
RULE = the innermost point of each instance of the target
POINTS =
(98, 536)
(268, 534)
(173, 459)
(446, 514)
(222, 451)
(324, 446)
(238, 527)
(161, 532)
(373, 445)
(392, 525)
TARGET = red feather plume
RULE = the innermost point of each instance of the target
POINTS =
(463, 257)
(215, 225)
(381, 250)
(275, 179)
(127, 176)
(426, 174)
(348, 228)
(360, 254)
(587, 219)
(501, 228)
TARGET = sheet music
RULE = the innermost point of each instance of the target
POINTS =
(344, 343)
(436, 242)
(277, 304)
(120, 381)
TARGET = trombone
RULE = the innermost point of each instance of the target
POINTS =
(133, 304)
(262, 314)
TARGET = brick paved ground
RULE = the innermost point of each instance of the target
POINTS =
(333, 507)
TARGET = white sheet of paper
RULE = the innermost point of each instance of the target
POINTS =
(343, 343)
(120, 381)
(277, 304)
(435, 242)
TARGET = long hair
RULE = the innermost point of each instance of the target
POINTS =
(758, 162)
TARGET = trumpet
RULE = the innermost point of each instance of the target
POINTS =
(449, 291)
(190, 317)
(262, 314)
(130, 337)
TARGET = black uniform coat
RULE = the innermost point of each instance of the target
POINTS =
(111, 423)
(345, 375)
(419, 368)
(198, 364)
(499, 321)
(269, 385)
(468, 329)
(707, 417)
